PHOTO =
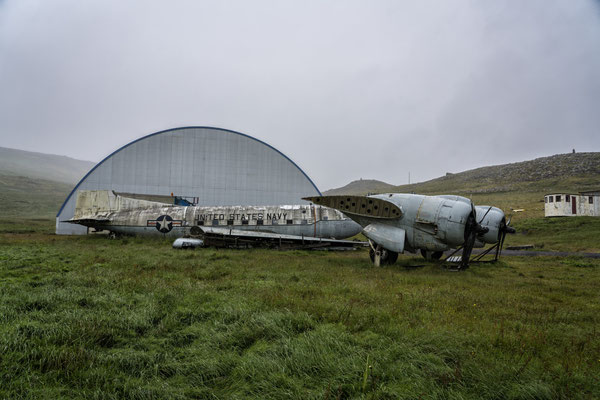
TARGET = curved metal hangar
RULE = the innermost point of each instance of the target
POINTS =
(213, 166)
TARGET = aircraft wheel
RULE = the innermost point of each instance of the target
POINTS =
(435, 255)
(112, 235)
(387, 257)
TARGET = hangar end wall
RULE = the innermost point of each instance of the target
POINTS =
(218, 166)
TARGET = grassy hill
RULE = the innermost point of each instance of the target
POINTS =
(42, 166)
(519, 185)
(25, 197)
(34, 185)
(573, 171)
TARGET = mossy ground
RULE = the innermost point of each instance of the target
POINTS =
(88, 317)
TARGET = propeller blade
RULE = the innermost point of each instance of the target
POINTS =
(501, 243)
(484, 215)
(505, 229)
(467, 249)
(471, 229)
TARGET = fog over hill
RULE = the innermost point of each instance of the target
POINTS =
(51, 167)
(573, 171)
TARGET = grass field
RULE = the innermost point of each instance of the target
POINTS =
(88, 317)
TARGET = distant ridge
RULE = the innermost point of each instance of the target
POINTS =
(362, 186)
(571, 171)
(51, 167)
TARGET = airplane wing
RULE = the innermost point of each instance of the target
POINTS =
(360, 207)
(89, 222)
(225, 237)
(371, 213)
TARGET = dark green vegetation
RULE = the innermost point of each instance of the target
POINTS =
(133, 318)
(580, 234)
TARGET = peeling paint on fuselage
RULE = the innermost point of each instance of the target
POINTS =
(140, 217)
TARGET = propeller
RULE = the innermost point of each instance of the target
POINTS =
(472, 229)
(504, 229)
(484, 215)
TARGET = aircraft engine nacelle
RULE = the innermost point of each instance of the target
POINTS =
(492, 218)
(439, 222)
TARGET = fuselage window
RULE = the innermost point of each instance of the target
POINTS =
(289, 221)
(215, 222)
(568, 198)
(591, 200)
(259, 222)
(245, 222)
(558, 199)
(550, 199)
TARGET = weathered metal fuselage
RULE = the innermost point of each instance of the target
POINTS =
(104, 211)
(399, 221)
(434, 223)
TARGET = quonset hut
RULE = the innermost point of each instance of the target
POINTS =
(211, 165)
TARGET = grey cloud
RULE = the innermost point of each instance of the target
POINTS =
(347, 89)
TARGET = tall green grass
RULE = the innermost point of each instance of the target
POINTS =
(87, 317)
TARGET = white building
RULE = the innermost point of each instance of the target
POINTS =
(569, 204)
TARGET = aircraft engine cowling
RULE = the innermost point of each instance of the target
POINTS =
(492, 218)
(451, 221)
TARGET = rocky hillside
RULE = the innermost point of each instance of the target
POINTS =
(572, 171)
(51, 167)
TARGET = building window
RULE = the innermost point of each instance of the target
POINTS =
(558, 199)
(259, 222)
(550, 199)
(591, 199)
(568, 198)
(289, 221)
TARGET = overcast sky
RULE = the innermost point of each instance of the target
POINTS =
(346, 89)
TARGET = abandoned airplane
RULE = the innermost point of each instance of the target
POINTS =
(396, 222)
(105, 210)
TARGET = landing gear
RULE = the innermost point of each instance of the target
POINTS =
(431, 255)
(386, 257)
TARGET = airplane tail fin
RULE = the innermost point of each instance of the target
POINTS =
(97, 205)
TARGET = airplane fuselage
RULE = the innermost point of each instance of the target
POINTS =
(177, 221)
